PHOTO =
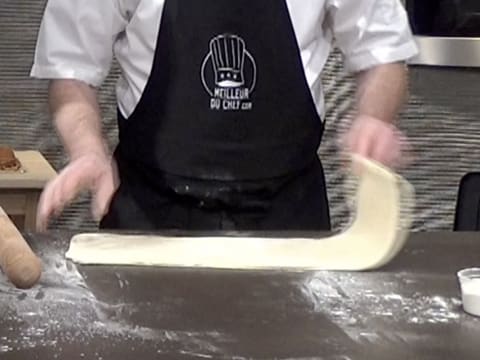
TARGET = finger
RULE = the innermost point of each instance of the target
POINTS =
(398, 153)
(42, 216)
(365, 143)
(115, 175)
(44, 209)
(70, 185)
(348, 139)
(362, 149)
(57, 198)
(102, 197)
(104, 192)
(386, 149)
(365, 137)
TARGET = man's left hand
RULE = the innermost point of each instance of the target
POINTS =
(376, 140)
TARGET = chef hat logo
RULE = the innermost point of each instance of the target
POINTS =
(228, 64)
(228, 57)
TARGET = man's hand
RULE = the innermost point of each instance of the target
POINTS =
(93, 172)
(77, 118)
(376, 140)
(381, 93)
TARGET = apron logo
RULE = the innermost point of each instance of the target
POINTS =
(229, 73)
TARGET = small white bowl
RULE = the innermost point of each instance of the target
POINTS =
(470, 286)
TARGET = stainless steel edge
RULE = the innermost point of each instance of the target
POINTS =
(447, 51)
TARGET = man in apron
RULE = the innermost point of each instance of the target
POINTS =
(220, 106)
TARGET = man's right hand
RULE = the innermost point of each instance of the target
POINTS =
(93, 172)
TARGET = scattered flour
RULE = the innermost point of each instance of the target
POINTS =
(355, 300)
(62, 309)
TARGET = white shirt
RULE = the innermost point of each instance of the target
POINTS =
(78, 39)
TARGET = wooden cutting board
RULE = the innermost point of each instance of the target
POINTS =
(34, 173)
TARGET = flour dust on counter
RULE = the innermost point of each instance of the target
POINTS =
(355, 302)
(62, 310)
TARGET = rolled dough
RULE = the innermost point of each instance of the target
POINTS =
(384, 203)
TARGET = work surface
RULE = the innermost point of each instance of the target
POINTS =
(410, 309)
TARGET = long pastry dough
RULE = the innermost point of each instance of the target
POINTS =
(384, 204)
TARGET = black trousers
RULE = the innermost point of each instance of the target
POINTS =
(146, 202)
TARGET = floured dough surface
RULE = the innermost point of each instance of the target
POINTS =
(376, 235)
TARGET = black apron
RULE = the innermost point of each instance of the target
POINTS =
(226, 133)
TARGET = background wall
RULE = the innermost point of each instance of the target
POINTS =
(442, 120)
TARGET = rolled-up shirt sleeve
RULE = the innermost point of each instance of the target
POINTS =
(371, 32)
(76, 39)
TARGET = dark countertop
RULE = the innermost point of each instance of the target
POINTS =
(410, 309)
